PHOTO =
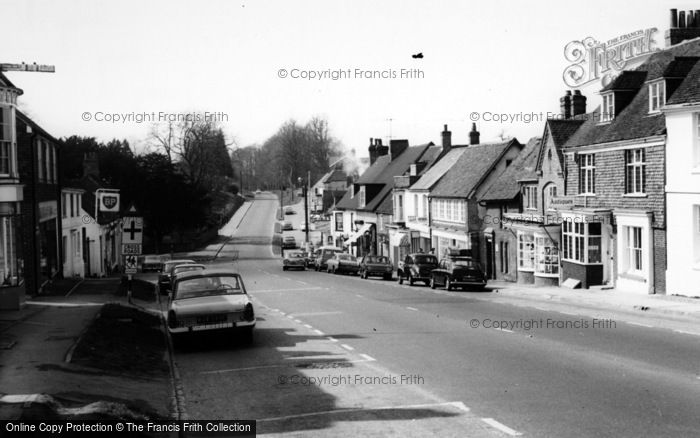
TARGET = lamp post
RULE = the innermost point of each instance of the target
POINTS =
(306, 209)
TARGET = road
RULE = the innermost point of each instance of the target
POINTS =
(337, 355)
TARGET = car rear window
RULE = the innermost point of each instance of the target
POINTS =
(427, 259)
(208, 286)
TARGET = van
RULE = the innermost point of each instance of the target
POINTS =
(324, 253)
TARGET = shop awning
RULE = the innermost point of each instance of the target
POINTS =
(354, 236)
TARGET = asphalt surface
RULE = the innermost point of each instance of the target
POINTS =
(335, 355)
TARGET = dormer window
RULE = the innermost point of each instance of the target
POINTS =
(608, 108)
(657, 96)
(361, 194)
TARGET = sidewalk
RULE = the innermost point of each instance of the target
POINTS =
(38, 343)
(603, 299)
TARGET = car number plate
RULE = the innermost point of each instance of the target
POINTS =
(211, 319)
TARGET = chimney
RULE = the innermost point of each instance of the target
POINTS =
(474, 135)
(372, 151)
(91, 166)
(397, 147)
(683, 27)
(381, 150)
(446, 140)
(565, 105)
(578, 104)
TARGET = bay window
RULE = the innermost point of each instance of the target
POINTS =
(547, 256)
(582, 241)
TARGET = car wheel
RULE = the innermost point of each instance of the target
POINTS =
(410, 279)
(387, 277)
(400, 278)
(284, 268)
(448, 283)
(432, 282)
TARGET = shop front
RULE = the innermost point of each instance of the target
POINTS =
(538, 246)
(587, 246)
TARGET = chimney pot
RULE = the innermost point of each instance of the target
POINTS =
(474, 135)
(446, 139)
(681, 19)
(674, 18)
(578, 104)
(565, 105)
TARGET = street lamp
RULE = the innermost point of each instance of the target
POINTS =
(306, 210)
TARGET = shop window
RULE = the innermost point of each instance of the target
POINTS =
(547, 256)
(526, 252)
(635, 171)
(8, 253)
(582, 241)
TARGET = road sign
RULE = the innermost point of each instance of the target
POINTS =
(131, 248)
(130, 264)
(132, 231)
(41, 68)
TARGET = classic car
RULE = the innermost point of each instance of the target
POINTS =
(380, 266)
(164, 277)
(287, 226)
(310, 257)
(416, 267)
(289, 242)
(289, 211)
(151, 263)
(343, 263)
(210, 300)
(460, 272)
(324, 253)
(177, 269)
(294, 260)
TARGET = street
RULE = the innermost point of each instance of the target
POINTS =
(336, 355)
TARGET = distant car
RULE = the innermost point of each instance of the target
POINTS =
(210, 300)
(178, 269)
(302, 227)
(310, 258)
(460, 272)
(151, 263)
(289, 211)
(164, 277)
(325, 253)
(287, 226)
(343, 263)
(417, 267)
(289, 242)
(372, 265)
(294, 260)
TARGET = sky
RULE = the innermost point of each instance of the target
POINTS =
(247, 64)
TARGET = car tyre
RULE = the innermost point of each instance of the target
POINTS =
(448, 283)
(410, 279)
(400, 278)
(284, 268)
(387, 277)
(432, 282)
(247, 335)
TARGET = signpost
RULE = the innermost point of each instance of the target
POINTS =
(132, 239)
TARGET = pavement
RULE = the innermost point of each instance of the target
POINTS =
(37, 345)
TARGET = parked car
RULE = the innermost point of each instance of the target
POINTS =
(458, 272)
(210, 300)
(177, 269)
(289, 211)
(310, 258)
(417, 267)
(325, 253)
(151, 263)
(289, 242)
(302, 227)
(343, 263)
(163, 284)
(372, 265)
(294, 260)
(287, 226)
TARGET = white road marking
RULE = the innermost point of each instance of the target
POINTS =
(282, 313)
(359, 296)
(412, 308)
(640, 325)
(500, 426)
(284, 365)
(308, 326)
(316, 313)
(371, 359)
(283, 290)
(297, 321)
(347, 347)
(290, 316)
(319, 332)
(568, 313)
(332, 339)
(302, 282)
(687, 333)
(457, 405)
(503, 330)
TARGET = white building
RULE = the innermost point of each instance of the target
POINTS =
(683, 187)
(73, 232)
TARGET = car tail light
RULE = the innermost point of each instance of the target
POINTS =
(248, 313)
(172, 320)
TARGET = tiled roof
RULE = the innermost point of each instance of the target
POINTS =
(627, 80)
(522, 168)
(382, 173)
(689, 90)
(680, 66)
(335, 176)
(634, 121)
(560, 131)
(470, 169)
(432, 175)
